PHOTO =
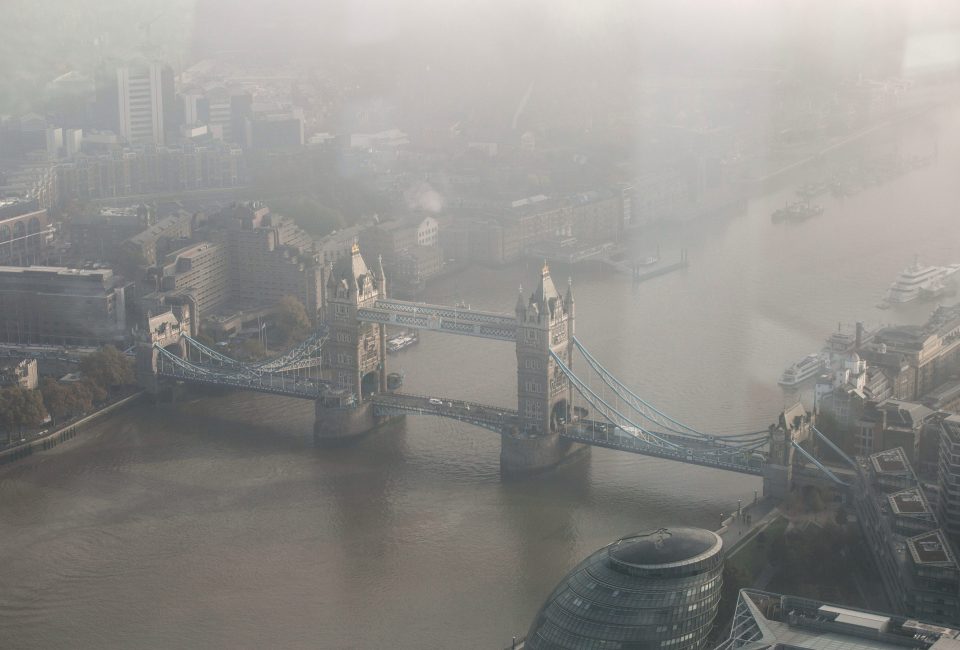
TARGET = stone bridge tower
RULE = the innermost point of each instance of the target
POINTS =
(166, 330)
(354, 354)
(544, 395)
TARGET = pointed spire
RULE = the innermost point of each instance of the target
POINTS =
(520, 307)
(569, 296)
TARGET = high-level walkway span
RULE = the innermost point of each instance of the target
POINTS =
(559, 410)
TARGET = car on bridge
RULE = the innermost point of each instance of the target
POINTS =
(436, 402)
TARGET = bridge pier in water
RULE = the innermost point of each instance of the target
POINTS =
(352, 397)
(520, 455)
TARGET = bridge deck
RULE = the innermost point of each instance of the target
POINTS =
(702, 453)
(494, 418)
(455, 320)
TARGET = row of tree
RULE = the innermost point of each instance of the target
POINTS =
(102, 372)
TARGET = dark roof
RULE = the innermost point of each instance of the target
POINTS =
(891, 460)
(615, 598)
(930, 548)
(663, 546)
(909, 502)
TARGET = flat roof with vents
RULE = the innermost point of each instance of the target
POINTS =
(930, 548)
(889, 461)
(908, 502)
(877, 622)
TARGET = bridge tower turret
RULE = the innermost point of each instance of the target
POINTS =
(354, 354)
(544, 395)
(543, 326)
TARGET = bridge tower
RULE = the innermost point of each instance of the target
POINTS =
(545, 324)
(354, 354)
(166, 330)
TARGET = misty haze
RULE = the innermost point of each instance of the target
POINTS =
(534, 324)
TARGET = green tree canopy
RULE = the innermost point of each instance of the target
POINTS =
(291, 320)
(20, 408)
(107, 367)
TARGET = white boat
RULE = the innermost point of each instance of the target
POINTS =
(918, 281)
(401, 341)
(808, 367)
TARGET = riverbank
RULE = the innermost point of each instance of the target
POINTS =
(65, 432)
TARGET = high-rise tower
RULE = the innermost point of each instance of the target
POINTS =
(144, 95)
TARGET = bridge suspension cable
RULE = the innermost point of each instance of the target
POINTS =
(170, 365)
(303, 355)
(652, 414)
(609, 412)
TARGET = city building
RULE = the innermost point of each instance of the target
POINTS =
(274, 129)
(32, 181)
(26, 234)
(948, 477)
(240, 264)
(97, 235)
(200, 271)
(768, 621)
(658, 589)
(409, 249)
(503, 235)
(918, 358)
(61, 306)
(145, 95)
(917, 566)
(151, 244)
(19, 372)
(150, 170)
(889, 424)
(269, 257)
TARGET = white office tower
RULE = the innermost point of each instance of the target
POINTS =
(140, 93)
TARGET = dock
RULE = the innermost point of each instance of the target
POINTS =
(635, 269)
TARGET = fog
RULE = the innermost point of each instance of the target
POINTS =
(479, 323)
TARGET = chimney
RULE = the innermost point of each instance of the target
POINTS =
(859, 339)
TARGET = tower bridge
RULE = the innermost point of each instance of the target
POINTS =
(560, 412)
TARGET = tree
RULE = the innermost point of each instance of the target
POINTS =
(20, 408)
(107, 367)
(57, 398)
(205, 339)
(252, 349)
(291, 320)
(86, 393)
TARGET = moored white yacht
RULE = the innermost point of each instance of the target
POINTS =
(808, 367)
(918, 281)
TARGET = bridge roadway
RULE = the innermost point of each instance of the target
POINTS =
(455, 320)
(694, 452)
(275, 384)
(70, 354)
(494, 418)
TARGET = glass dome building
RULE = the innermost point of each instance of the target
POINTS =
(658, 589)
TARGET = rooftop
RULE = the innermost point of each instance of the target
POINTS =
(890, 461)
(765, 621)
(908, 502)
(60, 271)
(666, 546)
(930, 548)
(951, 426)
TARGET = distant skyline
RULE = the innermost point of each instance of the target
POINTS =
(496, 43)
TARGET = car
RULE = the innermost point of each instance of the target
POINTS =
(436, 402)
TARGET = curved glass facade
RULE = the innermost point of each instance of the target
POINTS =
(650, 590)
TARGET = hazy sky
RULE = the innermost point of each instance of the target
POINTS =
(40, 39)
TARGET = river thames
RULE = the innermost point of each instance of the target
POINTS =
(215, 523)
